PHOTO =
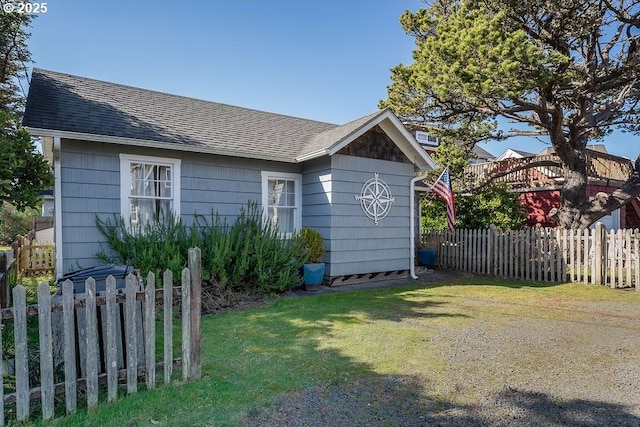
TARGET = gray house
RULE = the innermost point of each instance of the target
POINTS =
(137, 153)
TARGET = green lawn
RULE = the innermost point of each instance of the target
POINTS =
(250, 358)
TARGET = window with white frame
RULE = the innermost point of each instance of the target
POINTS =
(150, 189)
(282, 200)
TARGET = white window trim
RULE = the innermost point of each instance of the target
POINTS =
(125, 181)
(297, 178)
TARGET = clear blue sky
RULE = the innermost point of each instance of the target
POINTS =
(323, 60)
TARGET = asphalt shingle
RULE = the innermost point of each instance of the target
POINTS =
(63, 102)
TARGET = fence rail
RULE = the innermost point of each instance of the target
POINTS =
(128, 322)
(543, 254)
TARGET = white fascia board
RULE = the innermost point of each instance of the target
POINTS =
(313, 155)
(152, 144)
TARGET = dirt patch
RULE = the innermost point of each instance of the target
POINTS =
(217, 299)
(575, 364)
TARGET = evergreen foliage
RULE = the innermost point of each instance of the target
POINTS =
(248, 255)
(565, 70)
(24, 173)
(14, 55)
(493, 204)
(14, 223)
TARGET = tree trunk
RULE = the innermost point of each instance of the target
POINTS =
(573, 194)
(576, 210)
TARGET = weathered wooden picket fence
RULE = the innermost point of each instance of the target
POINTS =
(543, 254)
(100, 340)
(33, 258)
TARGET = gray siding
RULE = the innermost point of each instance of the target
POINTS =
(90, 174)
(316, 196)
(90, 186)
(356, 244)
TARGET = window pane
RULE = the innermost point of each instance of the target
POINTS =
(281, 203)
(282, 219)
(145, 211)
(150, 180)
(137, 179)
(276, 188)
(281, 193)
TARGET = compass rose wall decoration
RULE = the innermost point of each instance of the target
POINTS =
(375, 199)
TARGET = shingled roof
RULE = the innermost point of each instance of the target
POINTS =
(78, 107)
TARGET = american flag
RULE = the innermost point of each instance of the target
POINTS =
(442, 188)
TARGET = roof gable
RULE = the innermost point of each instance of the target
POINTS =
(375, 144)
(334, 140)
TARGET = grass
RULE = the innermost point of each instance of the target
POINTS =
(251, 358)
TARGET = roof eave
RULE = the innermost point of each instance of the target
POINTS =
(312, 155)
(152, 144)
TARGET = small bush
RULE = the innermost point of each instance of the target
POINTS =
(313, 241)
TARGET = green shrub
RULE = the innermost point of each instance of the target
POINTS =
(249, 255)
(14, 223)
(493, 204)
(313, 241)
(156, 248)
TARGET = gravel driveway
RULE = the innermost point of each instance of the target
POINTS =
(568, 364)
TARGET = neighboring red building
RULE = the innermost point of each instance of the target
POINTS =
(539, 186)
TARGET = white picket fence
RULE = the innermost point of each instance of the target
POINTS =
(543, 254)
(101, 340)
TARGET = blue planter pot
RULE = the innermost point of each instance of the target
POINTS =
(313, 274)
(427, 257)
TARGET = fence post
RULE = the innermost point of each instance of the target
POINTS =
(4, 264)
(70, 369)
(91, 342)
(46, 351)
(196, 311)
(167, 281)
(1, 378)
(21, 352)
(186, 324)
(111, 361)
(600, 253)
(490, 248)
(15, 246)
(150, 330)
(130, 333)
(636, 259)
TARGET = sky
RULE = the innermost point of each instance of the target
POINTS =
(325, 60)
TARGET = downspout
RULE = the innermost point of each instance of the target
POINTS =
(57, 205)
(412, 225)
